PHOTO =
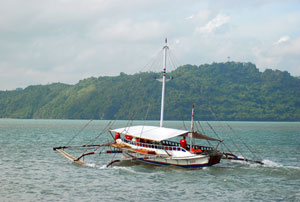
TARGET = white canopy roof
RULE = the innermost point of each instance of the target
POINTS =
(151, 132)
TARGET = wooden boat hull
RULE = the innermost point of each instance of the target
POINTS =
(193, 162)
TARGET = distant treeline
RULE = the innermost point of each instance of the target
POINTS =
(219, 91)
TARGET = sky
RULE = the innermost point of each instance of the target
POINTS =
(48, 41)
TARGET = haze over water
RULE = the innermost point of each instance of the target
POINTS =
(31, 171)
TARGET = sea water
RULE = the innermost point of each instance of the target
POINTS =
(31, 171)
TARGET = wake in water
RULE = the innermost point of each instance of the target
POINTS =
(128, 165)
(93, 165)
(271, 164)
(104, 167)
(266, 164)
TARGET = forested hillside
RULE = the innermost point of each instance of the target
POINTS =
(220, 91)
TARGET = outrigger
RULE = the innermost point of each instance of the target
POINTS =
(153, 144)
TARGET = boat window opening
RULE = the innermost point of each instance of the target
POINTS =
(168, 145)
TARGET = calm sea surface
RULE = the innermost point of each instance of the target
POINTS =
(31, 171)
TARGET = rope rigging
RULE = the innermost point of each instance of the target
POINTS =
(218, 136)
(242, 141)
(202, 130)
(79, 132)
(236, 135)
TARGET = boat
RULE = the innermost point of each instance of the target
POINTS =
(151, 144)
(160, 145)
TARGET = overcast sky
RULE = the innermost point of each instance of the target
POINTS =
(46, 41)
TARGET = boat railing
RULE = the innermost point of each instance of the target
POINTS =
(203, 148)
(170, 143)
(169, 147)
(195, 147)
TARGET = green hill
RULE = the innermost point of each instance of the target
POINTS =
(220, 91)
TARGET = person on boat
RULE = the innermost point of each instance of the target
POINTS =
(128, 137)
(137, 141)
(196, 150)
(183, 142)
(117, 136)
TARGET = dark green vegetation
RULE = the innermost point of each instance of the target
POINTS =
(220, 91)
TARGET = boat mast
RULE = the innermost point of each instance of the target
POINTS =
(165, 48)
(192, 119)
(192, 128)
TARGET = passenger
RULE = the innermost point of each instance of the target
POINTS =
(183, 142)
(196, 150)
(117, 136)
(128, 137)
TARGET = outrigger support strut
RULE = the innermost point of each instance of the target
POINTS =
(86, 145)
(85, 154)
(112, 162)
(230, 156)
(78, 160)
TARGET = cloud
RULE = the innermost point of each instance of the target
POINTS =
(200, 17)
(282, 39)
(284, 55)
(190, 17)
(68, 40)
(214, 24)
(287, 47)
(127, 30)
